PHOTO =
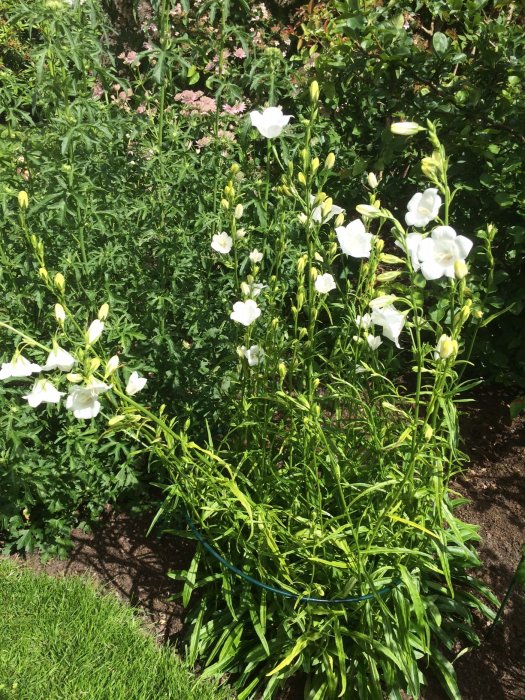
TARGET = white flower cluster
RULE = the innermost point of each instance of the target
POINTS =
(83, 395)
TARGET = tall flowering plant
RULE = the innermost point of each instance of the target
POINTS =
(323, 493)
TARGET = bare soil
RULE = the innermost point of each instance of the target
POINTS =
(120, 556)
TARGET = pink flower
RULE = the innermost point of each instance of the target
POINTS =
(238, 108)
(97, 91)
(204, 141)
(239, 53)
(130, 58)
(188, 97)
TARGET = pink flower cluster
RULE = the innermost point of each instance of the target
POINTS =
(129, 57)
(121, 97)
(196, 102)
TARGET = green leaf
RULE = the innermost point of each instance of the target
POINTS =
(516, 407)
(446, 673)
(440, 43)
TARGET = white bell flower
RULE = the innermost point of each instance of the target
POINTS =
(83, 400)
(364, 321)
(324, 283)
(245, 312)
(391, 320)
(374, 341)
(60, 359)
(270, 122)
(354, 239)
(19, 367)
(319, 216)
(222, 243)
(43, 391)
(423, 208)
(135, 384)
(439, 253)
(256, 256)
(253, 354)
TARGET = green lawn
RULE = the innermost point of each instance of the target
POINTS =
(61, 639)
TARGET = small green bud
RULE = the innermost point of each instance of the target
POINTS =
(314, 92)
(330, 161)
(23, 199)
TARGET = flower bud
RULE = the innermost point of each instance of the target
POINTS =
(465, 312)
(239, 210)
(372, 181)
(446, 347)
(314, 272)
(330, 161)
(116, 419)
(390, 259)
(60, 314)
(111, 365)
(314, 165)
(339, 221)
(60, 282)
(103, 312)
(301, 263)
(388, 276)
(234, 169)
(225, 204)
(406, 128)
(43, 273)
(428, 432)
(326, 207)
(302, 218)
(368, 211)
(240, 233)
(460, 269)
(301, 177)
(94, 364)
(314, 92)
(74, 377)
(94, 331)
(300, 298)
(282, 370)
(379, 244)
(23, 199)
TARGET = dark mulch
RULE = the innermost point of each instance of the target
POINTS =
(119, 554)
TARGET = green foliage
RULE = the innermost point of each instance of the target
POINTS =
(109, 656)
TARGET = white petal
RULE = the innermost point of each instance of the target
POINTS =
(426, 249)
(444, 233)
(464, 245)
(432, 270)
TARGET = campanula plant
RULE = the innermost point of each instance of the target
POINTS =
(323, 485)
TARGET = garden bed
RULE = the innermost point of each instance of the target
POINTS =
(119, 554)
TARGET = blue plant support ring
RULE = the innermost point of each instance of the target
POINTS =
(279, 591)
